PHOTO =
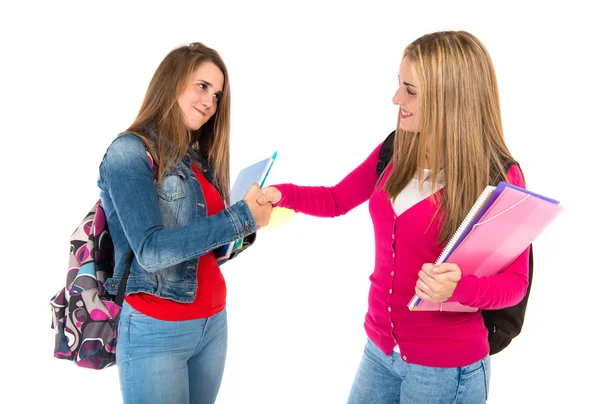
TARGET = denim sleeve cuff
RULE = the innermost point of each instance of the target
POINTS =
(248, 241)
(242, 219)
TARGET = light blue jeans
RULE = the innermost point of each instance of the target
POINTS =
(383, 379)
(175, 362)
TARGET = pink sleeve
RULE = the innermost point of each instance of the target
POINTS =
(502, 290)
(352, 191)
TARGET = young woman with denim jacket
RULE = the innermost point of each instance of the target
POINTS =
(448, 146)
(164, 184)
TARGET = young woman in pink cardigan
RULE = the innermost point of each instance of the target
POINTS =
(449, 145)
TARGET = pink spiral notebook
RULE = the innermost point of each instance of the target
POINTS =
(503, 222)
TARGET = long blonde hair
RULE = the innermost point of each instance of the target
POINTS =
(161, 111)
(459, 118)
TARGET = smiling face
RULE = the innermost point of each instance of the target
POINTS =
(406, 97)
(201, 95)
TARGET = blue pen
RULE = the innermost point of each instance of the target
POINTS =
(269, 169)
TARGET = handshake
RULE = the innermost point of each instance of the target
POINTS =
(260, 201)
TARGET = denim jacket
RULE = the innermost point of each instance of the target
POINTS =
(164, 224)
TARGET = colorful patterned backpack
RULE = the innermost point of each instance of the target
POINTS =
(84, 315)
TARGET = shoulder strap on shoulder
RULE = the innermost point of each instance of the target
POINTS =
(385, 153)
(508, 164)
(497, 177)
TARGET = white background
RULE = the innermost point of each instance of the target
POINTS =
(315, 82)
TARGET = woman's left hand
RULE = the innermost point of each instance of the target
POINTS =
(436, 284)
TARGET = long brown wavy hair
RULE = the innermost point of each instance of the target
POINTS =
(459, 118)
(161, 111)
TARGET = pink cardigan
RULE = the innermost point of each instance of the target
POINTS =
(402, 245)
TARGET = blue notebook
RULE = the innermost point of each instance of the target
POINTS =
(255, 173)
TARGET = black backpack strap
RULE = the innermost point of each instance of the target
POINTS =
(509, 163)
(123, 283)
(385, 153)
(496, 177)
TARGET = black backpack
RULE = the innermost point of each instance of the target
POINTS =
(503, 324)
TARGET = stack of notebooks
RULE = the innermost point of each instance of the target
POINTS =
(502, 223)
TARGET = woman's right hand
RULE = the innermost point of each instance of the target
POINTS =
(270, 195)
(260, 212)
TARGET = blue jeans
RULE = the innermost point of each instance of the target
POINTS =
(171, 362)
(383, 379)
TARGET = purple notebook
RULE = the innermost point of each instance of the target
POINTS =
(490, 200)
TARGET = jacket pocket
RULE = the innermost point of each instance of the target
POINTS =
(172, 186)
(171, 192)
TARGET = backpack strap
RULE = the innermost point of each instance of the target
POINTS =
(385, 153)
(496, 177)
(121, 292)
(508, 164)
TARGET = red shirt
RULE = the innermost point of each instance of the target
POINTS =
(211, 292)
